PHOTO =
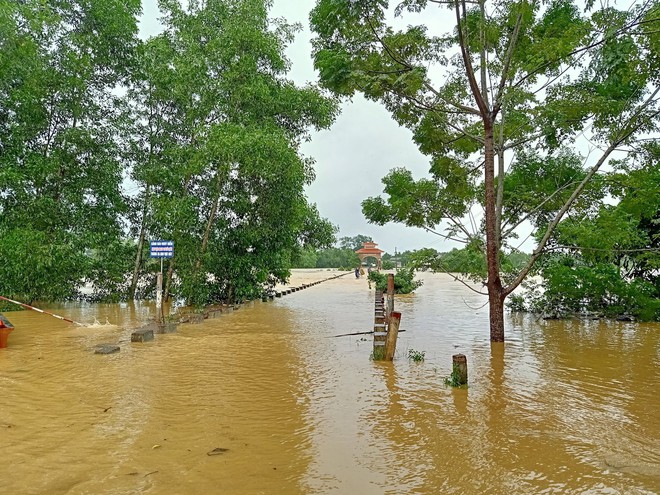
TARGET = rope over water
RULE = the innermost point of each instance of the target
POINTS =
(40, 311)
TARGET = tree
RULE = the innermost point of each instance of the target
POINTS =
(334, 257)
(617, 273)
(508, 79)
(60, 172)
(354, 243)
(306, 258)
(404, 282)
(217, 150)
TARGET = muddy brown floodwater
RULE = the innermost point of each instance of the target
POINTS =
(265, 401)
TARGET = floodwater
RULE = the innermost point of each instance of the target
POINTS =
(285, 408)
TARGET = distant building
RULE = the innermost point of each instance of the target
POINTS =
(369, 250)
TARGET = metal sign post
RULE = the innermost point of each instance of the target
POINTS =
(160, 249)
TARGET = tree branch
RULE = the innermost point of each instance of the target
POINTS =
(613, 250)
(482, 53)
(517, 224)
(449, 238)
(465, 108)
(622, 136)
(594, 44)
(456, 279)
(497, 104)
(515, 144)
(469, 70)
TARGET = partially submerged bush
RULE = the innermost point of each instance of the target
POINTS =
(403, 281)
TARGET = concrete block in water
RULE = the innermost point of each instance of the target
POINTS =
(106, 349)
(142, 335)
(196, 318)
(168, 327)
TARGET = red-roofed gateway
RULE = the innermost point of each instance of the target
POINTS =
(369, 249)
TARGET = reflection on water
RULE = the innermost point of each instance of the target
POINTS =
(561, 407)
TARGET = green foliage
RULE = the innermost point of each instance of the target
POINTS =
(515, 83)
(453, 380)
(354, 243)
(305, 258)
(404, 282)
(334, 257)
(538, 186)
(612, 274)
(388, 265)
(60, 172)
(217, 149)
(337, 258)
(207, 128)
(378, 354)
(34, 266)
(418, 203)
(516, 303)
(572, 286)
(416, 356)
(469, 261)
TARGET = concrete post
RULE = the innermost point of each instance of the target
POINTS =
(460, 369)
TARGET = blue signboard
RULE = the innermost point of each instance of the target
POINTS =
(161, 249)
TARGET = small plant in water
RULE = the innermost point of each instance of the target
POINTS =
(417, 356)
(453, 379)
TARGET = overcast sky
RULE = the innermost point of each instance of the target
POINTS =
(353, 155)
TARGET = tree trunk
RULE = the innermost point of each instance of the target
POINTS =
(168, 282)
(140, 246)
(209, 226)
(496, 315)
(495, 296)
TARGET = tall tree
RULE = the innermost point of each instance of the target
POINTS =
(509, 77)
(354, 243)
(217, 151)
(60, 175)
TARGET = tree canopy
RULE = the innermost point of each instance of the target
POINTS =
(107, 142)
(61, 203)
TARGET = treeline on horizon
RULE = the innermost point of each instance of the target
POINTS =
(564, 284)
(456, 260)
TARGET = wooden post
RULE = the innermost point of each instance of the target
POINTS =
(460, 369)
(392, 334)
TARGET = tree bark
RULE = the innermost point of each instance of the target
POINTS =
(140, 246)
(168, 281)
(209, 225)
(494, 284)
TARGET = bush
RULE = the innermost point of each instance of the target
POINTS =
(403, 281)
(572, 285)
